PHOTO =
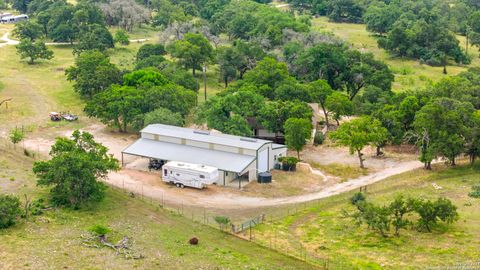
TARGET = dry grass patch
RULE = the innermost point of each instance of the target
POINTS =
(341, 171)
(287, 184)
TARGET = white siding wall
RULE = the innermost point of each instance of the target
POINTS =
(170, 139)
(279, 152)
(225, 148)
(197, 144)
(148, 136)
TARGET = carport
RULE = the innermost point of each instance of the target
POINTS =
(226, 162)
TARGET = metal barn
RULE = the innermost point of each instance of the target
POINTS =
(237, 158)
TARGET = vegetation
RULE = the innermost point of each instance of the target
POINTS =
(9, 210)
(33, 50)
(297, 133)
(16, 136)
(381, 218)
(323, 232)
(358, 133)
(75, 169)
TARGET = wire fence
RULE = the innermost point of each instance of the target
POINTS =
(244, 224)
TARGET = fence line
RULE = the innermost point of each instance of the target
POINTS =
(247, 229)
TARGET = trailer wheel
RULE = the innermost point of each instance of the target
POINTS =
(179, 185)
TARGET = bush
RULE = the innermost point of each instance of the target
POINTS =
(9, 210)
(475, 192)
(289, 163)
(37, 206)
(99, 230)
(319, 138)
(149, 50)
(222, 221)
(357, 197)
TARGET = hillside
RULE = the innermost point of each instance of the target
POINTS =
(53, 240)
(327, 236)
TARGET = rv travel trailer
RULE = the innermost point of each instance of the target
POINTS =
(14, 19)
(184, 174)
(3, 15)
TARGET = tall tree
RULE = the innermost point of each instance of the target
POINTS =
(319, 91)
(92, 73)
(74, 170)
(194, 51)
(357, 134)
(297, 132)
(340, 105)
(33, 50)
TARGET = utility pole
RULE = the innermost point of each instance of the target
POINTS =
(205, 80)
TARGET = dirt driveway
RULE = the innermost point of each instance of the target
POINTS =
(133, 176)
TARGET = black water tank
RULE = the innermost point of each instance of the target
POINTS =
(264, 177)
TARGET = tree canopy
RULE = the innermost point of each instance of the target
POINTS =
(74, 171)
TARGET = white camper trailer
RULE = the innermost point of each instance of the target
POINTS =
(14, 19)
(184, 174)
(4, 15)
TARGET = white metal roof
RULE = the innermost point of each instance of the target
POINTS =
(185, 153)
(191, 166)
(205, 136)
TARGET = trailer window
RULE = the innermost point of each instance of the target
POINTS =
(165, 172)
(202, 176)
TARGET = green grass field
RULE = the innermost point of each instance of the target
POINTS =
(409, 73)
(328, 236)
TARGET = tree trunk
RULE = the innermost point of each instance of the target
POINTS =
(338, 123)
(193, 71)
(226, 82)
(298, 154)
(453, 162)
(445, 66)
(379, 151)
(466, 43)
(360, 157)
(325, 113)
(428, 165)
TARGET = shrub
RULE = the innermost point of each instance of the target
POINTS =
(475, 192)
(222, 221)
(357, 197)
(9, 210)
(319, 138)
(99, 230)
(289, 163)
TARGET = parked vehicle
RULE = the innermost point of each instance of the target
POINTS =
(155, 164)
(69, 117)
(14, 19)
(189, 175)
(54, 116)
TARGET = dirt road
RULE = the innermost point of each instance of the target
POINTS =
(133, 178)
(150, 185)
(8, 41)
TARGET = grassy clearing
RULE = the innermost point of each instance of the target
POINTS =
(409, 74)
(342, 171)
(327, 235)
(286, 184)
(53, 240)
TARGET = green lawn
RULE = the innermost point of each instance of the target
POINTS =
(409, 73)
(328, 236)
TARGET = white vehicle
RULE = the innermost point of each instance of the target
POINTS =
(3, 15)
(184, 174)
(14, 19)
